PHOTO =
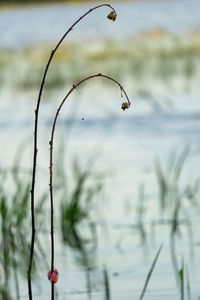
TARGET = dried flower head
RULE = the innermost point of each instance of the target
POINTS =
(53, 276)
(125, 105)
(112, 15)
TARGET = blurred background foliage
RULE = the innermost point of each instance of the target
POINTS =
(38, 2)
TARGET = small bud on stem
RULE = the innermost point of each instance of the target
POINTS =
(53, 276)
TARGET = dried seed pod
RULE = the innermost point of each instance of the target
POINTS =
(125, 105)
(112, 15)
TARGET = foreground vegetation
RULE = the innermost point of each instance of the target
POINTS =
(178, 207)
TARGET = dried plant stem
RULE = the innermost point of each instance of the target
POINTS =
(51, 143)
(35, 144)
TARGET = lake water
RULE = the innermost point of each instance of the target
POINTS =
(25, 27)
(125, 145)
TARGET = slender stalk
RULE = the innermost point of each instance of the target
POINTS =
(106, 284)
(51, 143)
(6, 258)
(150, 272)
(35, 141)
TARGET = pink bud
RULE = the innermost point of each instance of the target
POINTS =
(53, 276)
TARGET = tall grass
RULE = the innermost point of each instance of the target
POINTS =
(176, 205)
(15, 225)
(150, 273)
(74, 205)
(106, 284)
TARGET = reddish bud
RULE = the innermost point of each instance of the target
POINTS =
(53, 276)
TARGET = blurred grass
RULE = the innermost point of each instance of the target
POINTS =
(15, 223)
(15, 227)
(75, 200)
(75, 207)
(162, 60)
(13, 3)
(150, 272)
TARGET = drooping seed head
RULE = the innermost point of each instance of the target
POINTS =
(112, 15)
(125, 106)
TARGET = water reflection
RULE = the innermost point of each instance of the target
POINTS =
(45, 24)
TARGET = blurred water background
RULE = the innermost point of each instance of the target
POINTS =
(138, 170)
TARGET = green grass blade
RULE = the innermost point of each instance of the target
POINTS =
(181, 278)
(180, 162)
(150, 273)
(106, 284)
(162, 183)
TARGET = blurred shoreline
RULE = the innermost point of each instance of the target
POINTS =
(155, 63)
(21, 4)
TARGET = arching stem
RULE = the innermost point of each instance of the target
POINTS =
(112, 16)
(124, 106)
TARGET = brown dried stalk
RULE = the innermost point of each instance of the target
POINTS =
(35, 142)
(124, 106)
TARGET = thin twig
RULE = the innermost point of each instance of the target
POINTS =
(51, 143)
(35, 143)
